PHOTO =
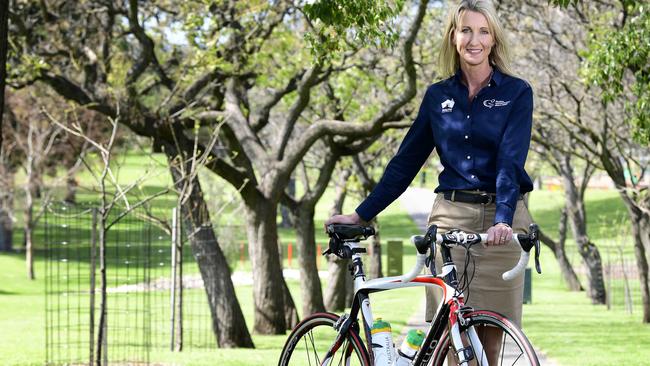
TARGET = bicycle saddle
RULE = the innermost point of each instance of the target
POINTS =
(345, 232)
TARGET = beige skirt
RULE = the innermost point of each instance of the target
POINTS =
(487, 291)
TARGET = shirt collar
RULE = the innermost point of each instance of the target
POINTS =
(496, 77)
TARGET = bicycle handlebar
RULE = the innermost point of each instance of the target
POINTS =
(459, 238)
(342, 234)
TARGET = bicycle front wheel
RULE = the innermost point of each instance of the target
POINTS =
(310, 340)
(505, 344)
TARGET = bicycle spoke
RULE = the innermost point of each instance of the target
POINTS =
(317, 359)
(342, 357)
(307, 350)
(503, 347)
(314, 336)
(511, 350)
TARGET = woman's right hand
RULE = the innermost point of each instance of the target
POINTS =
(352, 219)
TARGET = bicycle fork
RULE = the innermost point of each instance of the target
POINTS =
(465, 352)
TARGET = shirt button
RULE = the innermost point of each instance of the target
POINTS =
(466, 137)
(473, 177)
(468, 157)
(468, 116)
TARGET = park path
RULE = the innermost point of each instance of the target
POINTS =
(418, 202)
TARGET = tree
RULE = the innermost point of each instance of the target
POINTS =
(617, 47)
(600, 126)
(232, 73)
(559, 94)
(9, 163)
(340, 286)
(4, 35)
(38, 148)
(98, 55)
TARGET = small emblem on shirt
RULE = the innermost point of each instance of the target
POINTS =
(495, 103)
(448, 105)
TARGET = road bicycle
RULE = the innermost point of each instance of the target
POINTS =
(453, 336)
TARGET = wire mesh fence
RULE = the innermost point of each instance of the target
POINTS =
(151, 301)
(67, 284)
(154, 293)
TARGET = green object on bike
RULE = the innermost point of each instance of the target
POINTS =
(380, 325)
(415, 338)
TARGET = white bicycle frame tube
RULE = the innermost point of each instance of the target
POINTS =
(412, 279)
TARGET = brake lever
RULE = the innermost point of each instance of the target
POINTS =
(534, 236)
(430, 238)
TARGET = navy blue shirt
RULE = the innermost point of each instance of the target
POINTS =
(482, 144)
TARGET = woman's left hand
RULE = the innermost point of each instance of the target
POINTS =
(499, 234)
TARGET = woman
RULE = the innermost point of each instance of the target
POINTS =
(479, 121)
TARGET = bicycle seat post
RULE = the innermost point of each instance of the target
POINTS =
(356, 265)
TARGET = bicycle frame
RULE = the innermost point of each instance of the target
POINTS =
(447, 311)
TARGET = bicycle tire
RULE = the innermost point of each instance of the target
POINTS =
(515, 348)
(316, 334)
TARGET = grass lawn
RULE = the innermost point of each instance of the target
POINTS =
(564, 325)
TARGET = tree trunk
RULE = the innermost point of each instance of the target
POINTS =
(588, 251)
(272, 313)
(335, 294)
(6, 230)
(338, 293)
(228, 323)
(29, 248)
(310, 287)
(569, 275)
(6, 208)
(29, 222)
(591, 257)
(375, 270)
(341, 192)
(641, 233)
(285, 213)
(71, 190)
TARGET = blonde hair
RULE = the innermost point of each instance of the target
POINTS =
(449, 60)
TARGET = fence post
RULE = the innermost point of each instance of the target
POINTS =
(319, 250)
(176, 288)
(289, 254)
(101, 355)
(93, 264)
(528, 286)
(172, 287)
(394, 252)
(179, 322)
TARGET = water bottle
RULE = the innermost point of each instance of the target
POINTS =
(382, 343)
(409, 347)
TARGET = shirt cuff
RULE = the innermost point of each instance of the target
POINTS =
(504, 213)
(365, 212)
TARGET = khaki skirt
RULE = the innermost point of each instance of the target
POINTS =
(487, 291)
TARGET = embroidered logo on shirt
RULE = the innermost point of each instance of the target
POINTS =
(447, 105)
(495, 103)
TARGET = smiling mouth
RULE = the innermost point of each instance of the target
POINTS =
(473, 52)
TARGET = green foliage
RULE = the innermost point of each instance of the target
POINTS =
(614, 54)
(29, 68)
(563, 3)
(359, 21)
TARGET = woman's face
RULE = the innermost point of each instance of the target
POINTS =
(473, 38)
